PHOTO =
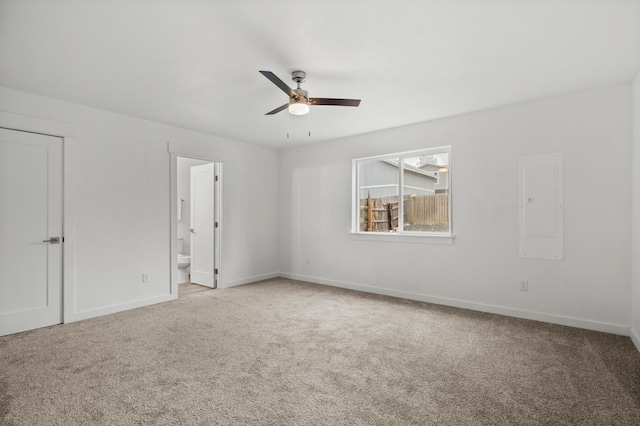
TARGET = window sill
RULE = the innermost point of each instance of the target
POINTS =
(393, 237)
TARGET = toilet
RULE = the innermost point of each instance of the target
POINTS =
(183, 263)
(183, 268)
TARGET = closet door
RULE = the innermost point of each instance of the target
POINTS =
(31, 230)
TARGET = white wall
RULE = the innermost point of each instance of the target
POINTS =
(121, 169)
(635, 253)
(481, 269)
(184, 193)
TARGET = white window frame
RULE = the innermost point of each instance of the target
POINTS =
(401, 235)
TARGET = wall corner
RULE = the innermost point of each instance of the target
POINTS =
(635, 212)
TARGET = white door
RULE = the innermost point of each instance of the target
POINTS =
(202, 225)
(30, 222)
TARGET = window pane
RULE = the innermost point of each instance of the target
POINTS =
(378, 193)
(426, 193)
(404, 192)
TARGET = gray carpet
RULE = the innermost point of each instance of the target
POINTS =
(282, 352)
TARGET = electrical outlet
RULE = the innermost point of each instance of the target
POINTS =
(524, 285)
(145, 277)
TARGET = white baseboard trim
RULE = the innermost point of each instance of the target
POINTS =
(635, 337)
(106, 310)
(98, 312)
(465, 304)
(249, 280)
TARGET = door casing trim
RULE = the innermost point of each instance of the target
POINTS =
(180, 150)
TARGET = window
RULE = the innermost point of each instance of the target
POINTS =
(404, 193)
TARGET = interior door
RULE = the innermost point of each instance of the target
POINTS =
(31, 230)
(202, 225)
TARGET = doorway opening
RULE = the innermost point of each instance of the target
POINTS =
(196, 224)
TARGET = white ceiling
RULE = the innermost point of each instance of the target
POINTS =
(194, 63)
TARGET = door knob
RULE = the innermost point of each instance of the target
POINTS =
(191, 230)
(52, 240)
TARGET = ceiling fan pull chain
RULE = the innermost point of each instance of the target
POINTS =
(288, 125)
(309, 123)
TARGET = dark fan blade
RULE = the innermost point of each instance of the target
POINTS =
(281, 84)
(337, 102)
(277, 110)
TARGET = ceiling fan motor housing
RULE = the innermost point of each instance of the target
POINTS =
(299, 95)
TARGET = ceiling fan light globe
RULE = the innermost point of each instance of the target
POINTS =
(298, 108)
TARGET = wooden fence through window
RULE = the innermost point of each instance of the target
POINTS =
(421, 213)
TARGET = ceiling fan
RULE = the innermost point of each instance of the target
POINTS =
(299, 100)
